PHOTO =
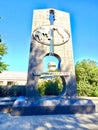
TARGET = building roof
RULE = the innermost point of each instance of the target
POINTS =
(13, 75)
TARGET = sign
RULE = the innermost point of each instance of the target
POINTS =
(45, 74)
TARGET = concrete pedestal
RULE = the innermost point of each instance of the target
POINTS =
(52, 105)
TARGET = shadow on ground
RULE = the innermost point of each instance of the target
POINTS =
(49, 122)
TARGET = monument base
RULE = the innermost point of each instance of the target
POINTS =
(52, 105)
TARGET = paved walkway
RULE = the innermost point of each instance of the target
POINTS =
(49, 122)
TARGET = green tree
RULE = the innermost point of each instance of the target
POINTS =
(87, 78)
(3, 51)
(52, 86)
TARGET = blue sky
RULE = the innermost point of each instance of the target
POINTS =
(16, 22)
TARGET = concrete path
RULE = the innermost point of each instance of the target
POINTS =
(49, 122)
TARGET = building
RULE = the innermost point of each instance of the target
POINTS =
(13, 78)
(52, 66)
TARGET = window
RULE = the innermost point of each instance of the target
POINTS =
(1, 82)
(10, 83)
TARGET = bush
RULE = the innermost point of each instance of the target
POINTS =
(87, 78)
(42, 87)
(85, 89)
(1, 91)
(12, 91)
(50, 87)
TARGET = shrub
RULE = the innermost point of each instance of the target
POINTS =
(87, 78)
(6, 91)
(50, 87)
(85, 89)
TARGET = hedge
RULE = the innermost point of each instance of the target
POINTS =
(11, 91)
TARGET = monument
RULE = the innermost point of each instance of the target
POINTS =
(51, 35)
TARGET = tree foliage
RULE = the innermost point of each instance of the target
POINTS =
(12, 91)
(52, 86)
(3, 51)
(87, 78)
